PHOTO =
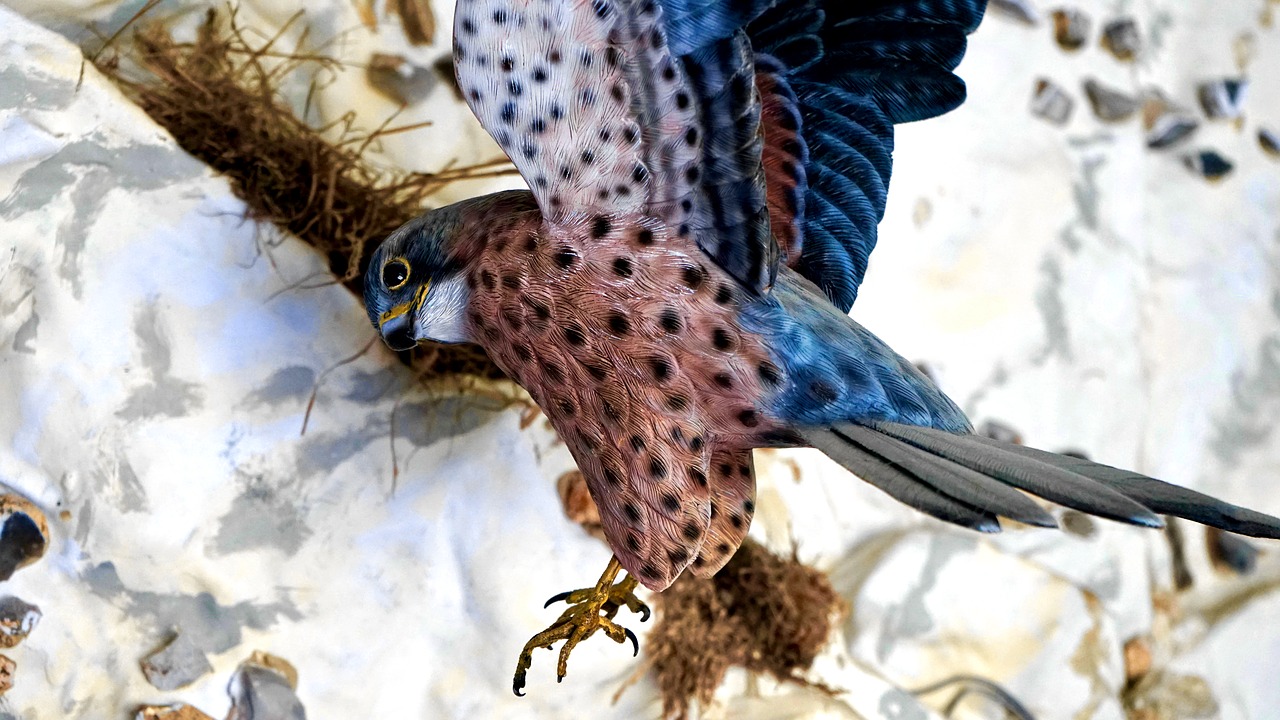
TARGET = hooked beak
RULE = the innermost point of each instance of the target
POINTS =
(396, 324)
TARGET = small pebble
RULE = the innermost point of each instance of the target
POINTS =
(1109, 104)
(275, 663)
(262, 689)
(400, 80)
(1051, 102)
(24, 534)
(1269, 141)
(7, 668)
(1245, 48)
(1070, 28)
(1166, 124)
(1121, 39)
(1137, 658)
(1230, 552)
(17, 620)
(1078, 524)
(1208, 164)
(176, 665)
(920, 215)
(1020, 10)
(1223, 99)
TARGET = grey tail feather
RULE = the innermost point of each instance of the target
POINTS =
(956, 481)
(969, 479)
(1160, 496)
(898, 483)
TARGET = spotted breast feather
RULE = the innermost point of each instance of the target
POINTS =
(632, 347)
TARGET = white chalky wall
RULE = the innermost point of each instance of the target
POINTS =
(155, 365)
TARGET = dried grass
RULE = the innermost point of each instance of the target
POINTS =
(764, 612)
(220, 97)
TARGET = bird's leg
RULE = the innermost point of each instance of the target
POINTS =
(590, 609)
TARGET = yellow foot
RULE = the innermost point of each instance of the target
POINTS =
(590, 609)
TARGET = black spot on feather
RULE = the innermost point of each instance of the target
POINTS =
(565, 257)
(600, 227)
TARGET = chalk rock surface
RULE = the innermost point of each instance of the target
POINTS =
(158, 352)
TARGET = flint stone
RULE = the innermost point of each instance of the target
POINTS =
(262, 693)
(176, 665)
(1070, 28)
(17, 620)
(1050, 102)
(1121, 39)
(1109, 104)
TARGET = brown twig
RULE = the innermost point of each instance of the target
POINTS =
(221, 101)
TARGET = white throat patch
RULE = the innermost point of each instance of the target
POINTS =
(440, 317)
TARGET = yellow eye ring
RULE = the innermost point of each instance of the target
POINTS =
(395, 273)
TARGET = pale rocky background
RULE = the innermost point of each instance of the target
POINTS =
(156, 359)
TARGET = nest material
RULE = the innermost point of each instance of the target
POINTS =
(764, 612)
(220, 99)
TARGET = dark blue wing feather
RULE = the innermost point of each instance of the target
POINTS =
(856, 68)
(873, 44)
(732, 225)
(907, 93)
(824, 257)
(693, 24)
(869, 64)
(964, 14)
(848, 70)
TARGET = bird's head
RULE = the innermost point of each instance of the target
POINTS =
(415, 288)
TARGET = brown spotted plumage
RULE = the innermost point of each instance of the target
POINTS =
(586, 101)
(640, 365)
(733, 504)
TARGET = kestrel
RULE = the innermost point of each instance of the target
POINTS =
(706, 177)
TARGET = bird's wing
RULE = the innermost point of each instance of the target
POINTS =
(835, 76)
(653, 492)
(733, 504)
(603, 120)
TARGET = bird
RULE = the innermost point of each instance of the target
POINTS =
(705, 179)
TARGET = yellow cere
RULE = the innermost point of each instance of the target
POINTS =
(403, 308)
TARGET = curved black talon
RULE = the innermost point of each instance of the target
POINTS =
(557, 598)
(590, 610)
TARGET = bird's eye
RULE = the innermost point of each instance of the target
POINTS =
(395, 274)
